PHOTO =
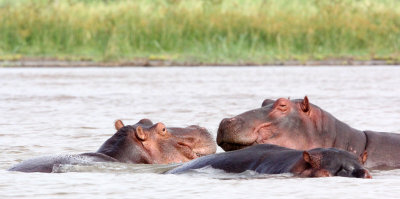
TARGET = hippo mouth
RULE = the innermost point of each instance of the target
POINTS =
(233, 146)
(233, 143)
(199, 154)
(189, 152)
(194, 155)
(238, 135)
(229, 144)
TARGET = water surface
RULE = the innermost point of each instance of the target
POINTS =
(72, 110)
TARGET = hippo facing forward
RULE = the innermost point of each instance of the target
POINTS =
(144, 143)
(300, 125)
(273, 159)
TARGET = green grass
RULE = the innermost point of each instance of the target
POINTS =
(210, 31)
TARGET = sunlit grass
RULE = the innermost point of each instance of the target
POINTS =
(201, 31)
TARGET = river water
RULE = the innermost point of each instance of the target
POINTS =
(72, 110)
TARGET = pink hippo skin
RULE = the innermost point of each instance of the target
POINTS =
(300, 125)
(141, 143)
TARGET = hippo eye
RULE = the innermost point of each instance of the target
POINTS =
(163, 131)
(342, 172)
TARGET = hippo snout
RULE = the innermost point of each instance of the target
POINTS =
(361, 173)
(228, 133)
(228, 121)
(230, 125)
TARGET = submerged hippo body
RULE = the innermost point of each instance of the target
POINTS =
(47, 164)
(142, 143)
(273, 159)
(297, 124)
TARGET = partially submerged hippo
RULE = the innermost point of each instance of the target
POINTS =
(144, 143)
(273, 159)
(297, 124)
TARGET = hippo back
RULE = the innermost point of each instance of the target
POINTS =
(263, 158)
(47, 163)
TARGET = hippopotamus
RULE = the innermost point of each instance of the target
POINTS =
(273, 159)
(141, 143)
(300, 125)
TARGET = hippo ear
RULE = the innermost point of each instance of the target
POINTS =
(118, 125)
(306, 156)
(140, 133)
(267, 102)
(305, 105)
(311, 159)
(363, 157)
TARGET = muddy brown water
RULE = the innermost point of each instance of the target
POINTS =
(71, 110)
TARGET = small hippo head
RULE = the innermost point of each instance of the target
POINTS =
(295, 124)
(326, 162)
(150, 143)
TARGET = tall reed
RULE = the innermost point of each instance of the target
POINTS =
(202, 31)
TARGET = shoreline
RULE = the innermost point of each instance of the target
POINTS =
(75, 33)
(39, 63)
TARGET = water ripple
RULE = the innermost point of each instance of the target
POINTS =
(69, 111)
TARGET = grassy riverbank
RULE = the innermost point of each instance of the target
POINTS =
(209, 31)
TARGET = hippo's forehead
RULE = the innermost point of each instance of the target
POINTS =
(330, 152)
(145, 126)
(263, 111)
(188, 130)
(178, 130)
(127, 129)
(339, 157)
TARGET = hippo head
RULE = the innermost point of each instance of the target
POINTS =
(150, 143)
(326, 162)
(288, 123)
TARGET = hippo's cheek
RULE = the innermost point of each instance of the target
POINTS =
(281, 139)
(176, 157)
(266, 133)
(206, 150)
(184, 152)
(322, 173)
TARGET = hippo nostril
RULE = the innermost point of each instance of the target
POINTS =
(230, 126)
(224, 124)
(229, 122)
(225, 121)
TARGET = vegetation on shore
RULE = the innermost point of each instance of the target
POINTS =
(208, 31)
